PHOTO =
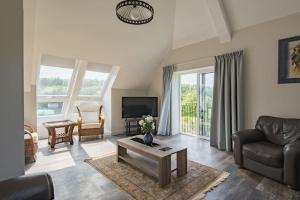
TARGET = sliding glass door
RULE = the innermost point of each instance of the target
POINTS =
(189, 103)
(196, 95)
(205, 103)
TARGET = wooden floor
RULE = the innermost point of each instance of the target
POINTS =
(74, 179)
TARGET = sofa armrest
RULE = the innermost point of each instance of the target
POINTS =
(244, 137)
(31, 187)
(291, 164)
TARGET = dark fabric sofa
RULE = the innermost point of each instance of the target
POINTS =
(272, 149)
(29, 187)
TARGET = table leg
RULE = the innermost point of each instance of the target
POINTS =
(49, 134)
(53, 137)
(120, 152)
(70, 134)
(165, 171)
(181, 163)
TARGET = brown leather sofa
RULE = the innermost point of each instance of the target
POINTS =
(272, 149)
(29, 187)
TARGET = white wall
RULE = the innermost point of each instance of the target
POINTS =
(107, 99)
(30, 117)
(263, 96)
(11, 89)
(29, 41)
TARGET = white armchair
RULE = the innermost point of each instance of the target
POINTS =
(90, 121)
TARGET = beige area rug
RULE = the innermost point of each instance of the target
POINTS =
(199, 180)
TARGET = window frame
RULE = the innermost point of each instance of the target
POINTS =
(52, 101)
(93, 97)
(55, 98)
(69, 88)
(74, 87)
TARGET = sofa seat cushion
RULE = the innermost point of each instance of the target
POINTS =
(34, 135)
(265, 153)
(90, 125)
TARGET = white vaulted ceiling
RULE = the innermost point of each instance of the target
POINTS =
(194, 23)
(245, 13)
(90, 30)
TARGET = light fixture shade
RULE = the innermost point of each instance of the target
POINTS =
(134, 12)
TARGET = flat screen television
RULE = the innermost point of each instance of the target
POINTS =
(135, 107)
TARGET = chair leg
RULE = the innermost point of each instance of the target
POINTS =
(79, 138)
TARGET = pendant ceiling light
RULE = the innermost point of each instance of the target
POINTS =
(135, 12)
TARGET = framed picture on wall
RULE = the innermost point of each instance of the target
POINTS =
(289, 60)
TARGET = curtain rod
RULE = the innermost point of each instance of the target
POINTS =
(194, 60)
(207, 57)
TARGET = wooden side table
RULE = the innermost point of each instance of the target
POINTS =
(66, 136)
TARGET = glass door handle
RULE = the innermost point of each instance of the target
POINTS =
(201, 113)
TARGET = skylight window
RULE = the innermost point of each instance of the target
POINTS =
(49, 108)
(93, 83)
(63, 82)
(54, 80)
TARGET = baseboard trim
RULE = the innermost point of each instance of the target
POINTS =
(118, 132)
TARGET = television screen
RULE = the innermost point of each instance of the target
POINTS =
(135, 107)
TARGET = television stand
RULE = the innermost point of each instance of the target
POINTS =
(133, 128)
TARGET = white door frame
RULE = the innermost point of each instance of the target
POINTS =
(176, 100)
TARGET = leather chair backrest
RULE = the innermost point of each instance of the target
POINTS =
(279, 130)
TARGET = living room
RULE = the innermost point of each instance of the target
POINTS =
(149, 99)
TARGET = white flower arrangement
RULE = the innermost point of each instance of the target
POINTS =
(147, 124)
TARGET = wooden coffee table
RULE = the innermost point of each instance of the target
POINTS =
(155, 161)
(66, 136)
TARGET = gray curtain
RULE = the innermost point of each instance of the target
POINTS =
(227, 114)
(165, 126)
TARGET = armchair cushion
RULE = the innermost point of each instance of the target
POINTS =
(88, 107)
(89, 112)
(89, 117)
(264, 152)
(244, 137)
(34, 135)
(279, 130)
(90, 125)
